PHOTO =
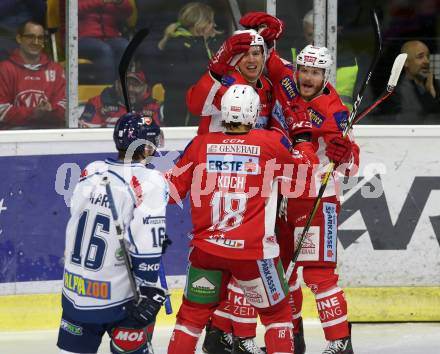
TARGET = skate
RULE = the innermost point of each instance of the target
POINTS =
(246, 346)
(339, 346)
(298, 338)
(217, 342)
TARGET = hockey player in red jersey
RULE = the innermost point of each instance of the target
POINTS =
(309, 90)
(240, 60)
(232, 174)
(233, 325)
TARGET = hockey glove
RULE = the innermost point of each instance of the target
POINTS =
(228, 55)
(272, 27)
(151, 299)
(339, 150)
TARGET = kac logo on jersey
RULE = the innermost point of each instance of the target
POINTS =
(30, 98)
(247, 165)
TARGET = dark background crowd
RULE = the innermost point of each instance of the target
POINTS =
(183, 37)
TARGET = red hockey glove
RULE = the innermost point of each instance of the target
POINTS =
(227, 56)
(273, 27)
(339, 150)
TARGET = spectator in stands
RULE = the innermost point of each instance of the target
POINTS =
(100, 25)
(187, 46)
(104, 110)
(13, 13)
(32, 88)
(417, 96)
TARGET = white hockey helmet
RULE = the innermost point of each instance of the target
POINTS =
(316, 57)
(240, 104)
(257, 39)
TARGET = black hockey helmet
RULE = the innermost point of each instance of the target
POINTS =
(133, 126)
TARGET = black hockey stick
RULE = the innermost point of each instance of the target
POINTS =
(325, 179)
(125, 62)
(391, 85)
(120, 234)
(123, 69)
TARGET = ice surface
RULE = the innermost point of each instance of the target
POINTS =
(384, 338)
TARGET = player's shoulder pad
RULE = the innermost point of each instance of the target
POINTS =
(266, 82)
(334, 100)
(196, 138)
(273, 136)
(190, 144)
(93, 168)
(336, 108)
(233, 78)
(156, 181)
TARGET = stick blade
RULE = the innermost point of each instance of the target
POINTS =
(126, 59)
(396, 70)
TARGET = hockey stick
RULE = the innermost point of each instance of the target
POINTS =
(391, 85)
(120, 234)
(236, 15)
(125, 62)
(123, 69)
(164, 284)
(357, 102)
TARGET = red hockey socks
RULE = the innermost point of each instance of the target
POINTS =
(183, 340)
(332, 309)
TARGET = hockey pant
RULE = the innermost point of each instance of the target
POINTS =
(318, 259)
(127, 336)
(234, 314)
(264, 287)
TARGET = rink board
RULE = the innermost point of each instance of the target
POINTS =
(388, 241)
(43, 311)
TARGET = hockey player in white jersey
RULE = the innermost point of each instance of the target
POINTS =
(97, 296)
